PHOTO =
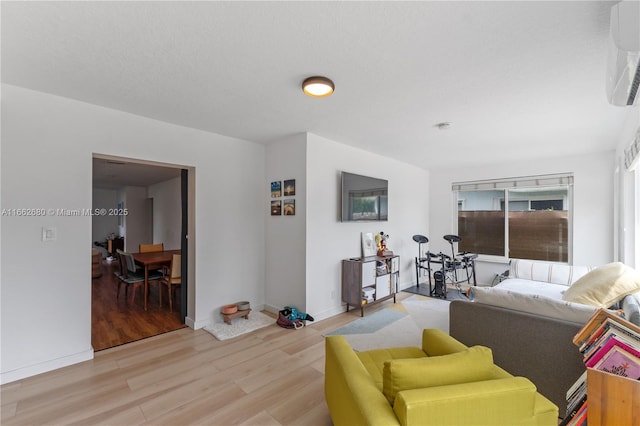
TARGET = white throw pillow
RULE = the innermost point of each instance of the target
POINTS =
(604, 286)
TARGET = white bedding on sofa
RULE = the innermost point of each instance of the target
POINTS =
(551, 307)
(537, 287)
(555, 291)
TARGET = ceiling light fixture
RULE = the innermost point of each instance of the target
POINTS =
(318, 87)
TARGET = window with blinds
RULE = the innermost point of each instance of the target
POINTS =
(525, 217)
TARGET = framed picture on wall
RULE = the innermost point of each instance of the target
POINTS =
(289, 207)
(289, 187)
(276, 208)
(276, 190)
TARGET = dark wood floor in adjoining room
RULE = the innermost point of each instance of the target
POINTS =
(116, 321)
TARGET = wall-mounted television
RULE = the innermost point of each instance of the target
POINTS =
(364, 198)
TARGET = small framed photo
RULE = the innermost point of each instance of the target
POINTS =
(289, 187)
(276, 208)
(368, 244)
(289, 207)
(276, 189)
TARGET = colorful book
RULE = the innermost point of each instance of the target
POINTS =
(620, 362)
(612, 341)
(596, 320)
(581, 416)
(577, 384)
(628, 333)
(621, 332)
(594, 336)
(573, 409)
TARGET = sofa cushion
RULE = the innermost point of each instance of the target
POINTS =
(534, 304)
(374, 360)
(471, 365)
(549, 272)
(604, 286)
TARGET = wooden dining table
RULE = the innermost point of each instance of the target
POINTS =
(153, 260)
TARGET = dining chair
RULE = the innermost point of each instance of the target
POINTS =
(172, 279)
(152, 248)
(125, 277)
(132, 276)
(148, 248)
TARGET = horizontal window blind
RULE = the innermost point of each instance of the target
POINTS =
(631, 154)
(515, 182)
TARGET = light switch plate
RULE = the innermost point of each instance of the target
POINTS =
(48, 234)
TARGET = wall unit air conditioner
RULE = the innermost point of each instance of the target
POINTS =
(623, 66)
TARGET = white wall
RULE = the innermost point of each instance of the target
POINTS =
(136, 221)
(628, 196)
(167, 213)
(592, 203)
(47, 148)
(286, 235)
(103, 225)
(328, 240)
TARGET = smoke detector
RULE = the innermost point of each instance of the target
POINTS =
(442, 126)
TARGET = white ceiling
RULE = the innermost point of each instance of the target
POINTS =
(515, 79)
(116, 173)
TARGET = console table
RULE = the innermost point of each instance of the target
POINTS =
(369, 280)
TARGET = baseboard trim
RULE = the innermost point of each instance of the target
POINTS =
(195, 325)
(318, 316)
(33, 370)
(332, 312)
(189, 322)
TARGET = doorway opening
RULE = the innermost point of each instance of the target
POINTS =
(150, 205)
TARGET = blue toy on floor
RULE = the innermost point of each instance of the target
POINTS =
(293, 314)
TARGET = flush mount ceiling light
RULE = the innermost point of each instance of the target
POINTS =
(318, 87)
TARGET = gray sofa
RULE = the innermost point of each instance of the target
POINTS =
(529, 345)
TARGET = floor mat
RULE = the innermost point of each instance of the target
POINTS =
(423, 290)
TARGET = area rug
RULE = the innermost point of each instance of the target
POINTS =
(239, 326)
(399, 324)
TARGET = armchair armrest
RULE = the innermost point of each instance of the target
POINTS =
(505, 401)
(351, 394)
(436, 342)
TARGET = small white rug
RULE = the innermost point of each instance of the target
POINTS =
(239, 326)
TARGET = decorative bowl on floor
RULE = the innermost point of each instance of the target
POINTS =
(229, 309)
(243, 306)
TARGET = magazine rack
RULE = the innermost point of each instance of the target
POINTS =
(611, 399)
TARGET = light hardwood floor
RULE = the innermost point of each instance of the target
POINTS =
(272, 376)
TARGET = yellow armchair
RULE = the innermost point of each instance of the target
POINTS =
(427, 386)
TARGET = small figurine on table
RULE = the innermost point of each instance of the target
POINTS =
(381, 242)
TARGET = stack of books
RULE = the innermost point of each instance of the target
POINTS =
(367, 295)
(576, 401)
(610, 344)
